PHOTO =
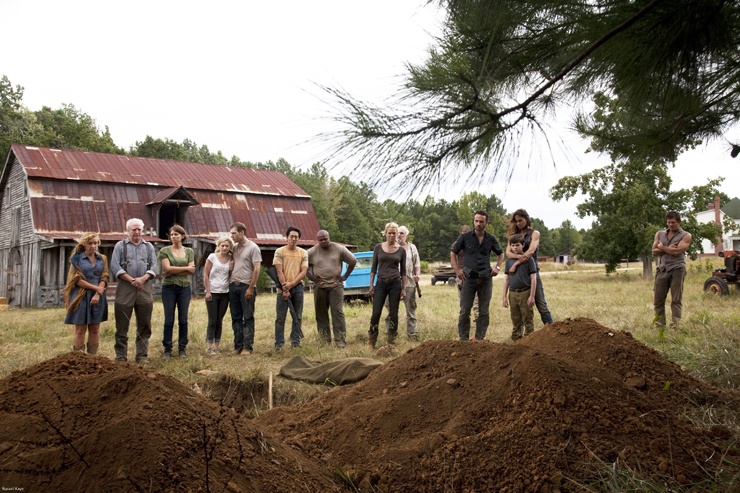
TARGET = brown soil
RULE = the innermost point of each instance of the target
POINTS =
(88, 424)
(543, 414)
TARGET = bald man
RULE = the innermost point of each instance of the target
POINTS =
(325, 270)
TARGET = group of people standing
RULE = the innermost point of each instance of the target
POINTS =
(133, 264)
(523, 286)
(230, 278)
(231, 273)
(473, 250)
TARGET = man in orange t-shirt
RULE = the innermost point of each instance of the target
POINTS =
(291, 264)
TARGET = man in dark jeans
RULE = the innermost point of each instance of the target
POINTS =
(476, 274)
(242, 288)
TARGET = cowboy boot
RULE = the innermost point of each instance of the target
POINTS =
(372, 338)
(392, 333)
(92, 348)
(78, 348)
(391, 340)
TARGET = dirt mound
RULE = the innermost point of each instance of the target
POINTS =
(543, 414)
(84, 423)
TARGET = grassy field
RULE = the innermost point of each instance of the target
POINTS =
(706, 344)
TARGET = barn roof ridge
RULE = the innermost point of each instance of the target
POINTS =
(87, 166)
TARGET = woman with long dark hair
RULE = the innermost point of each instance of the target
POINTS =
(520, 223)
(178, 264)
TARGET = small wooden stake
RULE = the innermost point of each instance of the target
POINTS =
(269, 392)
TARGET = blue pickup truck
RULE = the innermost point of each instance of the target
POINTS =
(357, 285)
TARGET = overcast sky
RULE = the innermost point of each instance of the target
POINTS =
(242, 76)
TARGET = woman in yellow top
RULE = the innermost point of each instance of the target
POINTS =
(178, 264)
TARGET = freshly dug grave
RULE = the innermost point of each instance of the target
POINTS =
(544, 414)
(88, 424)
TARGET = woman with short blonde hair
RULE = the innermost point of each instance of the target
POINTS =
(389, 263)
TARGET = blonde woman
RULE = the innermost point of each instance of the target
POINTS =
(216, 281)
(389, 263)
(84, 294)
(178, 264)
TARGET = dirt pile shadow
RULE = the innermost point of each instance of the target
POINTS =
(544, 414)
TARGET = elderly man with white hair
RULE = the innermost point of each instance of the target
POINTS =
(413, 271)
(133, 264)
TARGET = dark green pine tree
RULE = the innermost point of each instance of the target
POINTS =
(501, 66)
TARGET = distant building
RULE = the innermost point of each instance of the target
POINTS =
(730, 240)
(564, 257)
(50, 197)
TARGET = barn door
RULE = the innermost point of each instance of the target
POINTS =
(14, 278)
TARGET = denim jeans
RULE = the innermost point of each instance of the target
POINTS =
(326, 299)
(483, 287)
(392, 291)
(541, 303)
(216, 309)
(175, 297)
(242, 316)
(281, 311)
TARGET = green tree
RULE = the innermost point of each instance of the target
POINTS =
(15, 121)
(501, 66)
(358, 222)
(630, 200)
(547, 246)
(470, 202)
(567, 237)
(187, 151)
(70, 128)
(64, 128)
(437, 227)
(324, 191)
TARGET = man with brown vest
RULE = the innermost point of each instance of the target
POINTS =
(670, 247)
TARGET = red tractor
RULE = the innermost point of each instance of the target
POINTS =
(721, 279)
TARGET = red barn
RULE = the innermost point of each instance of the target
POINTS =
(50, 197)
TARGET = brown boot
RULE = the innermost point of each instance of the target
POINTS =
(92, 348)
(373, 338)
(78, 348)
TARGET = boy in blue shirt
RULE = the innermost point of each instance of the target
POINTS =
(521, 284)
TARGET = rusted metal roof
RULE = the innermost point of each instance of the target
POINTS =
(179, 194)
(72, 192)
(41, 162)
